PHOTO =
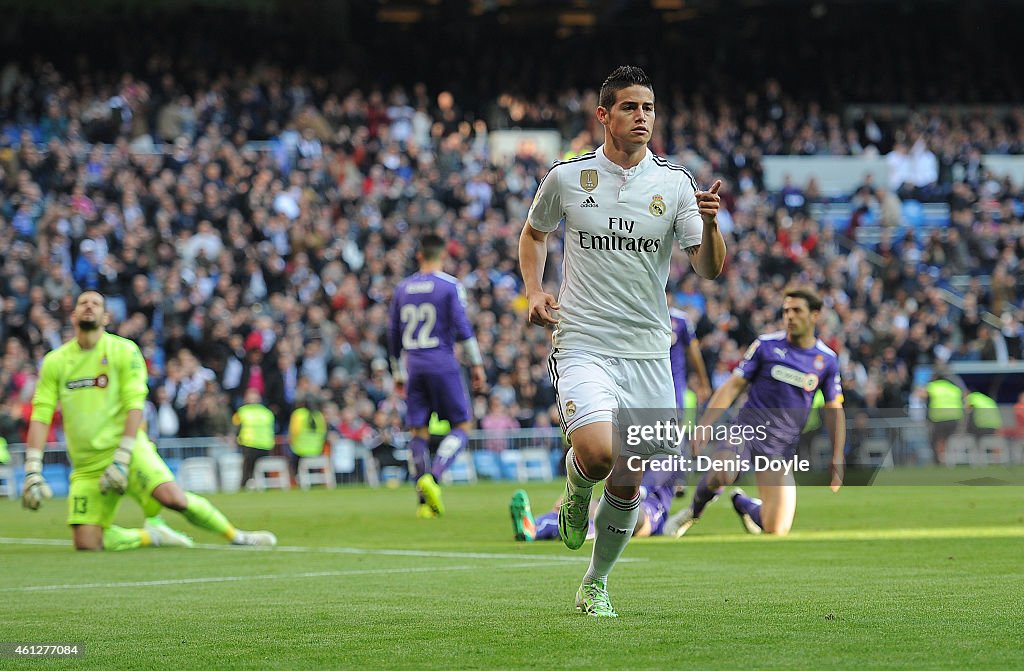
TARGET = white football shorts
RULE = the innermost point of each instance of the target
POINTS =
(599, 388)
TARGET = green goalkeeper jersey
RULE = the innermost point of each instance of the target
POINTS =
(96, 388)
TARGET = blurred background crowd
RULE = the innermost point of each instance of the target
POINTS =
(248, 215)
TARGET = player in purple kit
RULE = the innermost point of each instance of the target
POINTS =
(656, 493)
(685, 350)
(427, 317)
(781, 373)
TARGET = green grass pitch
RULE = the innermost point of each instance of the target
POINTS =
(872, 578)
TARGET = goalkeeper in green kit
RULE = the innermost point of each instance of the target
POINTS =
(100, 381)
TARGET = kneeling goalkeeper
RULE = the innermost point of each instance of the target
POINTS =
(100, 381)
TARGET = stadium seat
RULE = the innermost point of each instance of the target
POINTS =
(877, 452)
(392, 476)
(370, 474)
(821, 452)
(915, 445)
(271, 472)
(913, 213)
(198, 474)
(174, 464)
(57, 477)
(1015, 450)
(992, 450)
(512, 465)
(230, 464)
(8, 486)
(461, 470)
(487, 464)
(557, 457)
(959, 448)
(315, 471)
(536, 463)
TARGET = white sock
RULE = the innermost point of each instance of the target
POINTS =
(614, 523)
(577, 480)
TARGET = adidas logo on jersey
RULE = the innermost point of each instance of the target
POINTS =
(589, 202)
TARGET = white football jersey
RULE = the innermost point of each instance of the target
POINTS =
(619, 228)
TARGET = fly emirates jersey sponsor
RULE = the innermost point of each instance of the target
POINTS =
(619, 229)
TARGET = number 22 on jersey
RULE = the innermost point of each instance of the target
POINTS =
(419, 323)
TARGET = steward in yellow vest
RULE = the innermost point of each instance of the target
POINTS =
(255, 423)
(984, 413)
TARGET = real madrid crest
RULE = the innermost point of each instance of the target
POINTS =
(657, 206)
(570, 408)
(588, 179)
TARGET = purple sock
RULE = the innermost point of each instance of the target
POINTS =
(703, 496)
(547, 526)
(745, 504)
(420, 456)
(449, 448)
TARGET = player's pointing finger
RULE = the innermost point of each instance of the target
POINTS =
(716, 186)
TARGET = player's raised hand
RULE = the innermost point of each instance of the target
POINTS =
(34, 491)
(709, 201)
(541, 306)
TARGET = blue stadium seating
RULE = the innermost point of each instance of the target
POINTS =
(56, 476)
(487, 464)
(510, 464)
(174, 465)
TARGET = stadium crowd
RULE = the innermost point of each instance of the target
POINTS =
(248, 230)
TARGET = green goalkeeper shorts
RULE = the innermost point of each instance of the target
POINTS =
(147, 471)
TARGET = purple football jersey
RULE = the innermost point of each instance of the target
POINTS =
(427, 317)
(783, 379)
(683, 334)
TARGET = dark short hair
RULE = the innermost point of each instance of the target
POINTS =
(431, 246)
(92, 291)
(622, 77)
(813, 299)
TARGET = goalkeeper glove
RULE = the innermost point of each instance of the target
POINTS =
(35, 488)
(115, 478)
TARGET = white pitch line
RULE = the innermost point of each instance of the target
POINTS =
(443, 554)
(33, 541)
(267, 576)
(437, 554)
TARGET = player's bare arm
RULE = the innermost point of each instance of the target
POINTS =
(696, 362)
(708, 258)
(477, 374)
(533, 253)
(834, 417)
(478, 378)
(721, 400)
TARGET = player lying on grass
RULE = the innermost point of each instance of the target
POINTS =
(100, 380)
(656, 492)
(780, 373)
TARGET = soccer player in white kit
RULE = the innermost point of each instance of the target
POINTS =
(623, 207)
